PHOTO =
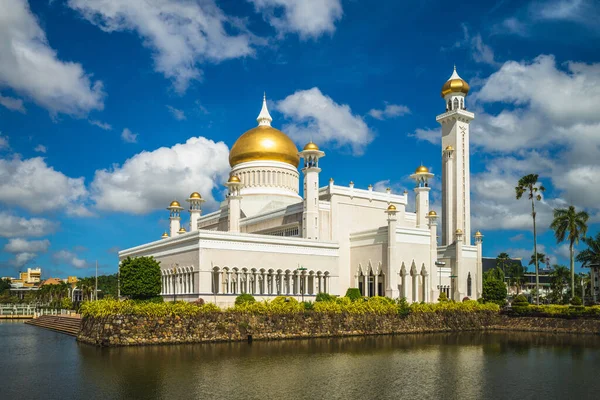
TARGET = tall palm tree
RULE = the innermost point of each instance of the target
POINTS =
(529, 184)
(571, 225)
(540, 257)
(516, 275)
(591, 255)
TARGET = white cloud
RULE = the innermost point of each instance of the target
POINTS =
(389, 111)
(4, 143)
(317, 117)
(37, 187)
(12, 104)
(181, 34)
(69, 258)
(580, 11)
(13, 226)
(309, 18)
(511, 25)
(40, 148)
(150, 180)
(102, 125)
(179, 115)
(22, 259)
(480, 52)
(128, 136)
(18, 245)
(30, 67)
(433, 136)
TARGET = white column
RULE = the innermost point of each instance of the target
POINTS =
(375, 286)
(422, 205)
(448, 225)
(391, 283)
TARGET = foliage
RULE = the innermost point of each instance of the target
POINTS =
(66, 304)
(570, 225)
(494, 273)
(541, 258)
(324, 297)
(4, 285)
(353, 294)
(520, 301)
(108, 285)
(494, 291)
(244, 298)
(591, 255)
(559, 278)
(576, 301)
(467, 306)
(466, 298)
(140, 277)
(6, 298)
(107, 307)
(443, 297)
(199, 301)
(308, 305)
(279, 305)
(403, 307)
(562, 311)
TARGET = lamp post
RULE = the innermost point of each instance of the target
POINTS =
(301, 269)
(440, 264)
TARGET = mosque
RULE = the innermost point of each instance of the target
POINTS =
(267, 240)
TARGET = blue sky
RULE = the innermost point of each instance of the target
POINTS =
(109, 109)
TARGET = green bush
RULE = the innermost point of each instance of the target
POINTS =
(466, 298)
(520, 301)
(494, 291)
(308, 305)
(107, 307)
(140, 278)
(244, 298)
(403, 307)
(576, 301)
(353, 294)
(324, 297)
(443, 298)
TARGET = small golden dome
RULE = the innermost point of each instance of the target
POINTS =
(449, 148)
(311, 146)
(233, 179)
(182, 230)
(459, 231)
(478, 234)
(391, 207)
(264, 143)
(195, 195)
(422, 170)
(174, 203)
(165, 235)
(455, 85)
(432, 213)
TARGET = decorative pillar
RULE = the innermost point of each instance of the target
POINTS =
(433, 293)
(448, 224)
(174, 217)
(479, 274)
(422, 177)
(425, 277)
(195, 201)
(234, 201)
(415, 283)
(391, 287)
(310, 218)
(458, 279)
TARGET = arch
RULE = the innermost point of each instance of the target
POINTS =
(462, 104)
(455, 104)
(449, 107)
(469, 286)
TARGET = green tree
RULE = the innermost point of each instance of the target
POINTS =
(516, 275)
(140, 278)
(494, 273)
(503, 261)
(494, 291)
(541, 258)
(529, 184)
(570, 225)
(591, 255)
(559, 279)
(4, 285)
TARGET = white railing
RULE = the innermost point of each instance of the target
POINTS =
(31, 311)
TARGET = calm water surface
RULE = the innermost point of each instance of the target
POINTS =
(40, 364)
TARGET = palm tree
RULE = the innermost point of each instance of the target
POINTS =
(559, 278)
(571, 225)
(591, 255)
(529, 184)
(540, 257)
(517, 275)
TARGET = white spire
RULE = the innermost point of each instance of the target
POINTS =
(264, 118)
(454, 74)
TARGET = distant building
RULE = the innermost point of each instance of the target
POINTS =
(529, 278)
(28, 278)
(595, 281)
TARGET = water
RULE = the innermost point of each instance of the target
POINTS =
(41, 364)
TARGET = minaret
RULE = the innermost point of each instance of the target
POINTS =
(391, 285)
(422, 177)
(310, 221)
(174, 217)
(195, 201)
(456, 203)
(234, 201)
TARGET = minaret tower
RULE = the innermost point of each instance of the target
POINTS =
(456, 182)
(195, 201)
(422, 177)
(174, 217)
(310, 221)
(234, 199)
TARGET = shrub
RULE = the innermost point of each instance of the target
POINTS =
(199, 301)
(466, 299)
(520, 301)
(494, 291)
(140, 278)
(353, 294)
(324, 297)
(104, 308)
(403, 307)
(244, 298)
(443, 298)
(576, 301)
(308, 305)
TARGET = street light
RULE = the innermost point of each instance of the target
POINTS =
(440, 264)
(300, 268)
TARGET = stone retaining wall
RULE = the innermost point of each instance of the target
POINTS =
(122, 330)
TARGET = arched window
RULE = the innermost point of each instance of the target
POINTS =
(462, 104)
(449, 105)
(455, 104)
(469, 285)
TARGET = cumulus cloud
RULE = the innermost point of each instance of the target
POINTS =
(389, 111)
(22, 259)
(102, 125)
(316, 116)
(32, 69)
(579, 11)
(308, 18)
(64, 256)
(37, 187)
(12, 104)
(181, 34)
(14, 226)
(128, 136)
(40, 148)
(4, 143)
(433, 136)
(18, 245)
(179, 115)
(480, 52)
(150, 180)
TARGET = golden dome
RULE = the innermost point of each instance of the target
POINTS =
(311, 146)
(459, 231)
(264, 143)
(174, 203)
(478, 234)
(432, 213)
(391, 207)
(422, 170)
(455, 85)
(182, 230)
(165, 235)
(233, 179)
(449, 148)
(195, 195)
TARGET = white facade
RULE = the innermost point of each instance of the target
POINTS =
(266, 240)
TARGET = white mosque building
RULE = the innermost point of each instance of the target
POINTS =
(267, 240)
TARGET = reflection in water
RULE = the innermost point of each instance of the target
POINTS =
(465, 365)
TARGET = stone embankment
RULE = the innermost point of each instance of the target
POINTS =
(125, 330)
(65, 324)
